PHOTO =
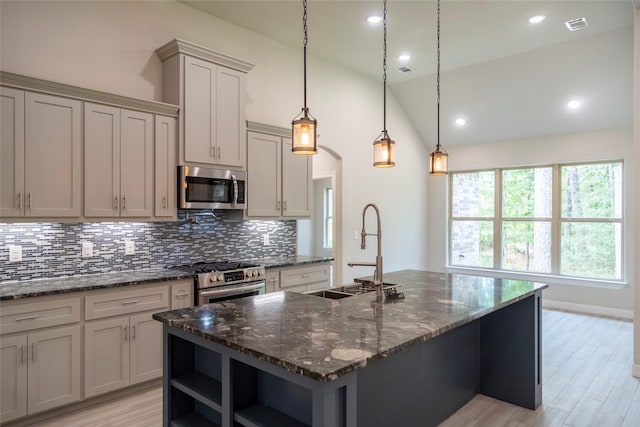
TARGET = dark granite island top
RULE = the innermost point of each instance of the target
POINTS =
(323, 340)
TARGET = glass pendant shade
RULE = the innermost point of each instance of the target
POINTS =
(438, 162)
(304, 135)
(384, 152)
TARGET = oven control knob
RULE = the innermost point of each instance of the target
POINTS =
(220, 278)
(213, 278)
(249, 273)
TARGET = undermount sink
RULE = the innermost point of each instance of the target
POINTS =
(349, 290)
(330, 294)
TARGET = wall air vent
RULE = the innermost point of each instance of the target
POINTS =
(577, 24)
(405, 70)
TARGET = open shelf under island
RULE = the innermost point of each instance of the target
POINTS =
(289, 359)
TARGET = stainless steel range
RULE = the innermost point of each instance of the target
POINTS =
(221, 281)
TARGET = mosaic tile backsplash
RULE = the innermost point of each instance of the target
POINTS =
(54, 249)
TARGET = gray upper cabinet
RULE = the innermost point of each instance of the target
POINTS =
(211, 89)
(127, 147)
(118, 162)
(41, 155)
(279, 182)
(12, 153)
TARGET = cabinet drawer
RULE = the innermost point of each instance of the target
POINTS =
(118, 301)
(272, 279)
(182, 294)
(303, 276)
(24, 316)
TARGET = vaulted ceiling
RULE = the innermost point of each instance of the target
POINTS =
(508, 78)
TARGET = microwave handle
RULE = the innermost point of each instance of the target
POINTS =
(235, 189)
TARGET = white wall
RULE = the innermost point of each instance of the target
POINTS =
(636, 327)
(110, 46)
(611, 144)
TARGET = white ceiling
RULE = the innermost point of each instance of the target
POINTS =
(510, 79)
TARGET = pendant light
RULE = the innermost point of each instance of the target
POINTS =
(304, 126)
(438, 160)
(384, 152)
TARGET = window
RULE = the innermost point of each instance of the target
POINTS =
(562, 220)
(328, 218)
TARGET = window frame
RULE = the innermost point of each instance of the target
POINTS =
(556, 221)
(327, 196)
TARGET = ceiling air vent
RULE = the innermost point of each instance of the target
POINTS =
(577, 24)
(405, 70)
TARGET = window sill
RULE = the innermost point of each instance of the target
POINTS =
(544, 278)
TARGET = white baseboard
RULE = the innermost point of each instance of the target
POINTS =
(588, 309)
(635, 371)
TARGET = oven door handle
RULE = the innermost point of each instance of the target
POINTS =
(235, 290)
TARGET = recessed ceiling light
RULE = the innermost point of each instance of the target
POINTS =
(573, 104)
(374, 19)
(404, 57)
(537, 19)
(460, 121)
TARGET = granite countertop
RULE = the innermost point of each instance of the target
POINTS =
(323, 339)
(290, 261)
(61, 285)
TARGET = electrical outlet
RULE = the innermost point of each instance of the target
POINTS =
(15, 253)
(265, 239)
(87, 249)
(129, 247)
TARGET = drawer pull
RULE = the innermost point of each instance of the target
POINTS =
(133, 332)
(19, 319)
(182, 293)
(306, 275)
(125, 333)
(133, 301)
(33, 352)
(21, 354)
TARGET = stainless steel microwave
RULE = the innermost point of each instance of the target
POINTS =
(209, 188)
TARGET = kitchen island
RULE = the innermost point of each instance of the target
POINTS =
(291, 359)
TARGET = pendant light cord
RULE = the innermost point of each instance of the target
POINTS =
(438, 77)
(384, 71)
(304, 44)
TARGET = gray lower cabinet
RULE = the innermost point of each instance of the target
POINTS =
(40, 371)
(121, 351)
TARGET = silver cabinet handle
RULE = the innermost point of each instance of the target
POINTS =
(19, 199)
(133, 301)
(182, 293)
(235, 189)
(29, 200)
(19, 319)
(115, 202)
(219, 153)
(33, 352)
(285, 205)
(133, 332)
(164, 203)
(304, 276)
(21, 354)
(278, 205)
(124, 202)
(125, 333)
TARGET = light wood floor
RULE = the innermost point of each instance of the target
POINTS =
(586, 382)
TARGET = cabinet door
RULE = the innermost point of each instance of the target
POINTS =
(106, 356)
(11, 152)
(296, 182)
(54, 368)
(199, 111)
(13, 371)
(136, 164)
(101, 160)
(182, 294)
(263, 164)
(272, 279)
(230, 121)
(52, 156)
(146, 348)
(165, 167)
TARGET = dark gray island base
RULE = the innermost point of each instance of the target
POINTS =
(288, 359)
